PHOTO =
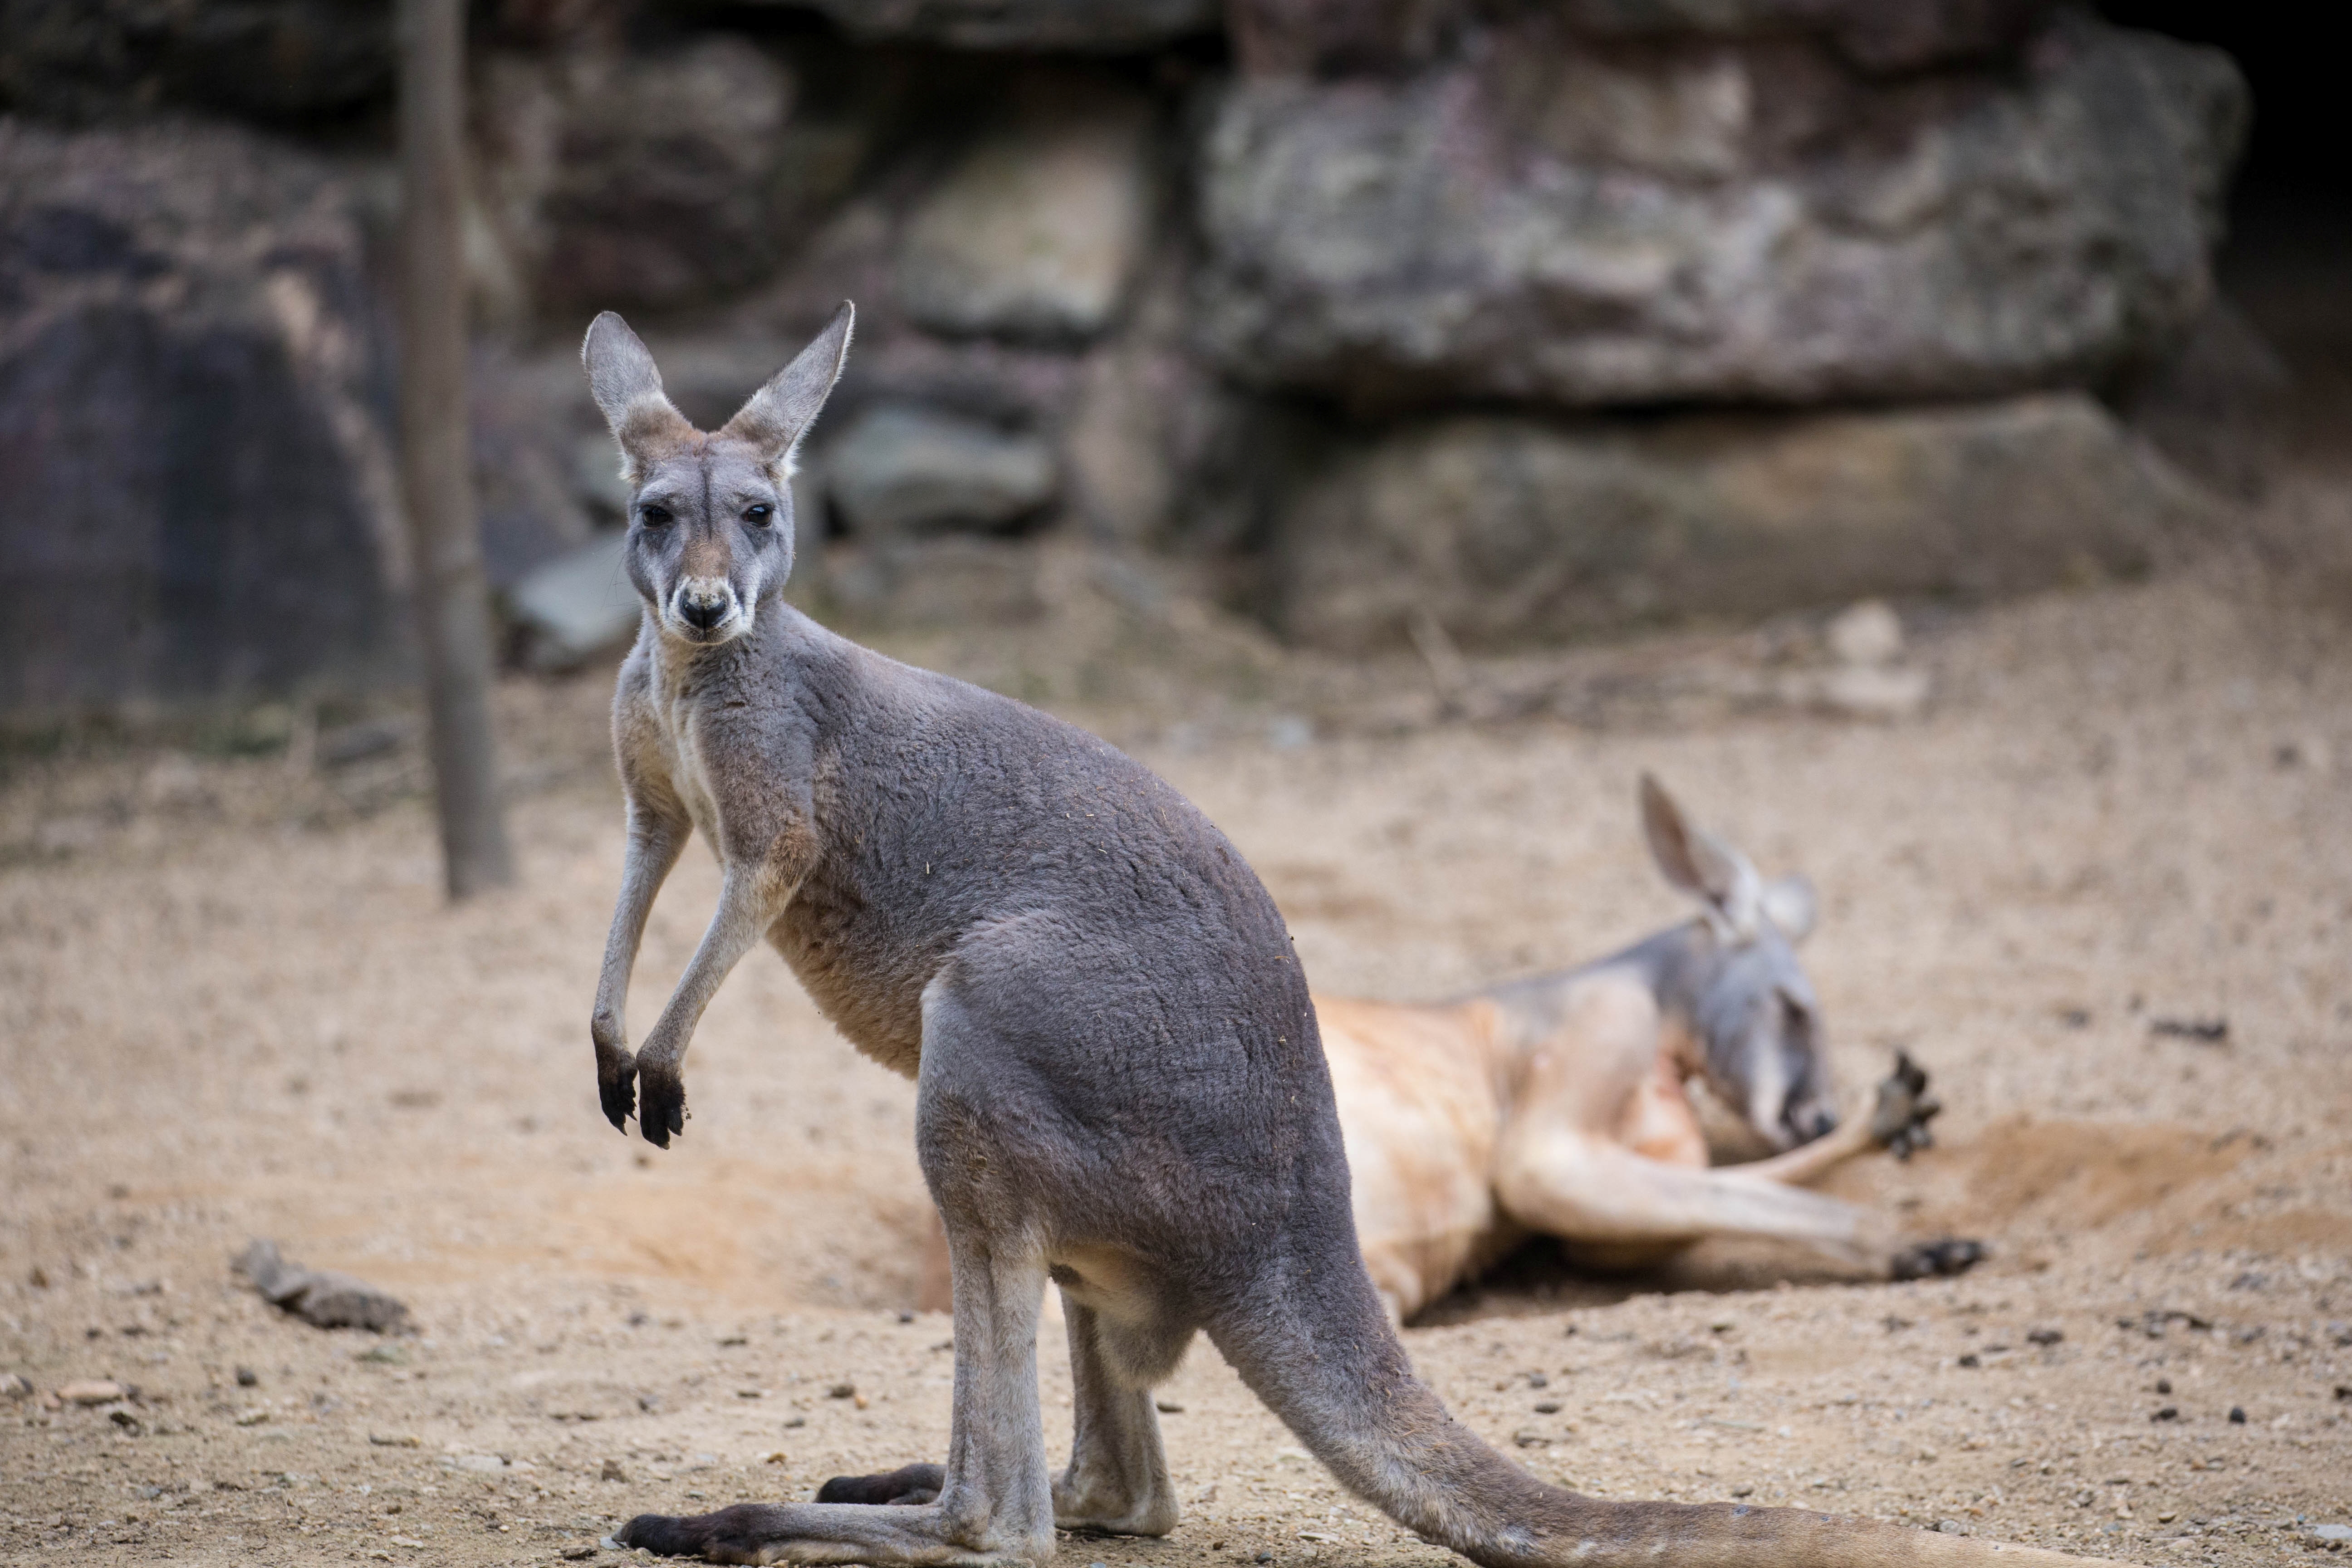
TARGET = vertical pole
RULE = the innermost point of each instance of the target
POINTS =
(453, 613)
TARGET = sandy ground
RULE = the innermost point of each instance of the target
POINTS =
(232, 1004)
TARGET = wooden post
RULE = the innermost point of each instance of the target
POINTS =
(453, 611)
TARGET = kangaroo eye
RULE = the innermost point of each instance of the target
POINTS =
(654, 516)
(758, 516)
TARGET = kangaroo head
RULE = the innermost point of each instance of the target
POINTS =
(710, 516)
(1757, 1020)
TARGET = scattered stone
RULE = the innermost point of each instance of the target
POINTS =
(2164, 1385)
(92, 1391)
(2167, 1413)
(1869, 633)
(246, 1377)
(578, 1552)
(1529, 1437)
(902, 469)
(14, 1387)
(612, 1471)
(1508, 530)
(2212, 1031)
(2333, 1531)
(1547, 1406)
(322, 1298)
(2046, 1337)
(1170, 1407)
(2237, 1415)
(841, 1391)
(130, 1423)
(478, 1464)
(1036, 231)
(396, 1440)
(252, 1417)
(1952, 1527)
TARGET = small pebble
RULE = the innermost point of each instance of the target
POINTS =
(91, 1390)
(2237, 1415)
(842, 1391)
(246, 1377)
(2164, 1385)
(612, 1471)
(1547, 1406)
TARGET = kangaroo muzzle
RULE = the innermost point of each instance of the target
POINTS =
(705, 607)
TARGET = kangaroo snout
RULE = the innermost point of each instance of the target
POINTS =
(704, 604)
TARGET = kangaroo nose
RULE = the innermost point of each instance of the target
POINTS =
(703, 613)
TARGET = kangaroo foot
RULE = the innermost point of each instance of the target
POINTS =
(1899, 1120)
(1931, 1259)
(906, 1485)
(731, 1535)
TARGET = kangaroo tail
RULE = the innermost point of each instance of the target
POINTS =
(1322, 1354)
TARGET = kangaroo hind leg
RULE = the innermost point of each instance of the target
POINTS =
(1118, 1481)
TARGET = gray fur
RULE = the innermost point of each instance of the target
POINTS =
(1120, 1082)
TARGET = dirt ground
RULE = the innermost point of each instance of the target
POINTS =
(232, 1004)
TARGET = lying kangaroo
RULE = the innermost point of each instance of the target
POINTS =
(1558, 1105)
(1119, 1082)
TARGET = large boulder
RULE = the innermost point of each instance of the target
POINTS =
(896, 470)
(1547, 217)
(1036, 229)
(200, 496)
(1085, 26)
(280, 59)
(651, 179)
(1512, 530)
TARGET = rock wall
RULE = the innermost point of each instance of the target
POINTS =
(199, 495)
(1552, 217)
(1377, 305)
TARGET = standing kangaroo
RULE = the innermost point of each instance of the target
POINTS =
(1118, 1083)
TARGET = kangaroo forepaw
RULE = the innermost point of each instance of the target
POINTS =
(1899, 1120)
(1933, 1259)
(906, 1485)
(616, 1087)
(662, 1113)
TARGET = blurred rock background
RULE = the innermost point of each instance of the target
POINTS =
(1475, 325)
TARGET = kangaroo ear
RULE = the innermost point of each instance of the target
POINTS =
(1789, 905)
(627, 387)
(1699, 863)
(781, 413)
